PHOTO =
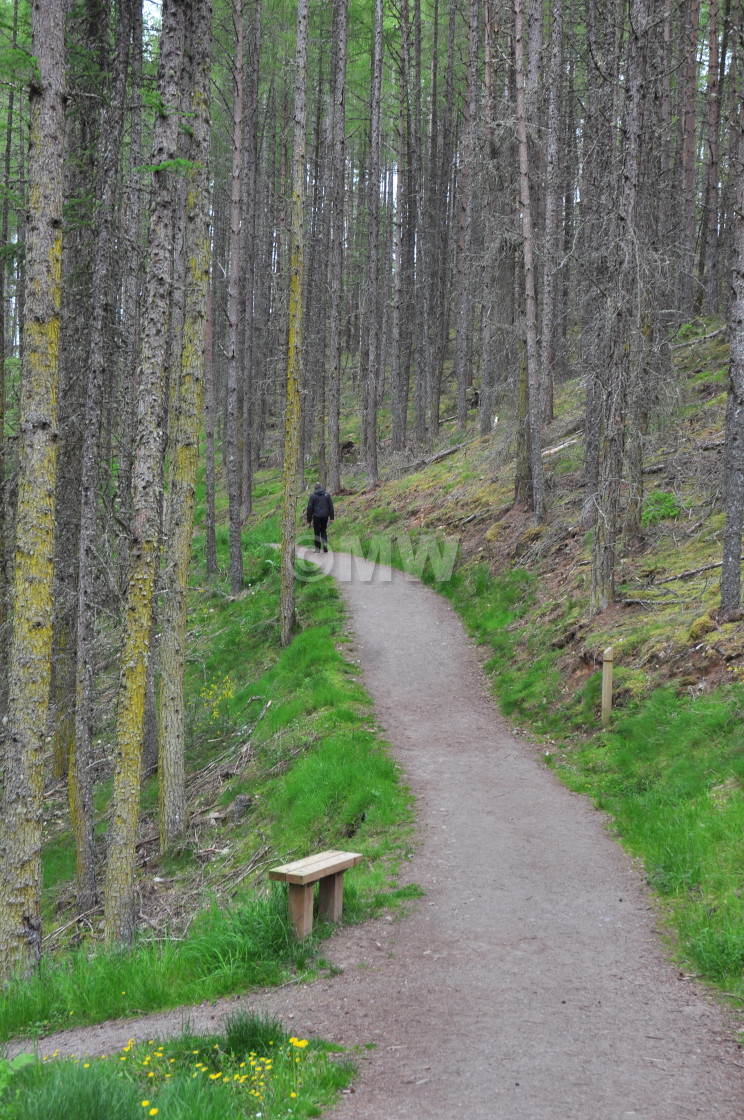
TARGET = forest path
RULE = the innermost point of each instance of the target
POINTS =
(529, 982)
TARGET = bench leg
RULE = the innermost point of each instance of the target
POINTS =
(331, 897)
(301, 908)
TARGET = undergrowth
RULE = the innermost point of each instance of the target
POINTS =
(252, 1069)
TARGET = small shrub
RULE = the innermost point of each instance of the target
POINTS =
(660, 505)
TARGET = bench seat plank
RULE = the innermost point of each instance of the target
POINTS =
(315, 867)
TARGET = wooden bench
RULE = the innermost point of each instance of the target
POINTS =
(325, 868)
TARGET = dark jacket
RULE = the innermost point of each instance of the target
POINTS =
(320, 505)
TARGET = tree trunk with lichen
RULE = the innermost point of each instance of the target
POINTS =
(733, 494)
(292, 419)
(373, 311)
(531, 432)
(31, 640)
(233, 315)
(627, 338)
(80, 769)
(337, 151)
(184, 455)
(119, 912)
(4, 229)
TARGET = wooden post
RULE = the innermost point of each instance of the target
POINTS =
(301, 908)
(331, 897)
(608, 658)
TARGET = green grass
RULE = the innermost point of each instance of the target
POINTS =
(251, 1070)
(671, 774)
(226, 951)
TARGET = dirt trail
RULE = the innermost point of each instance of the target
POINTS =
(529, 982)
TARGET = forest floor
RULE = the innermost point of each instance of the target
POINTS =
(529, 982)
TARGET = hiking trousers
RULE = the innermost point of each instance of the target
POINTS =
(320, 527)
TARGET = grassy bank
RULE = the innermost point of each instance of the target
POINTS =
(283, 759)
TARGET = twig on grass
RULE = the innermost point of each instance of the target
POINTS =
(75, 920)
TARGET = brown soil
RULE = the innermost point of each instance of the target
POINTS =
(529, 983)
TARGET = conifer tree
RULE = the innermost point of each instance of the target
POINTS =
(31, 643)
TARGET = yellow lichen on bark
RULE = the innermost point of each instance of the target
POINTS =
(29, 670)
(292, 414)
(185, 427)
(119, 917)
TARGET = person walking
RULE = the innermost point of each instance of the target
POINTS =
(319, 512)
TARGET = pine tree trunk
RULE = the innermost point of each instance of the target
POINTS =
(80, 779)
(336, 236)
(4, 231)
(209, 422)
(292, 417)
(119, 912)
(708, 238)
(233, 316)
(627, 341)
(533, 420)
(31, 641)
(405, 239)
(374, 356)
(185, 427)
(249, 253)
(688, 162)
(553, 231)
(599, 173)
(733, 474)
(132, 284)
(463, 343)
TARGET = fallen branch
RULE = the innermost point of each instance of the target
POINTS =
(75, 920)
(448, 451)
(649, 602)
(254, 862)
(698, 338)
(692, 572)
(560, 446)
(439, 455)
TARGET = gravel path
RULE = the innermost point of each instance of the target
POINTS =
(529, 983)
